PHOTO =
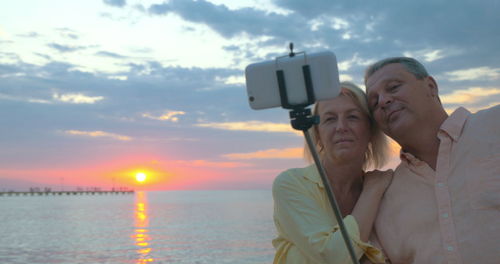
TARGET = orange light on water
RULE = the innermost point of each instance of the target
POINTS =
(141, 237)
(144, 251)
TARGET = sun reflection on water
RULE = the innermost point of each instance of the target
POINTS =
(141, 236)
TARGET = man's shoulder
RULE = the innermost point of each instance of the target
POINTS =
(486, 120)
(401, 170)
(402, 177)
(488, 115)
(492, 112)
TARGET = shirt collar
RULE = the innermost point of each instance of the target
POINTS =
(452, 126)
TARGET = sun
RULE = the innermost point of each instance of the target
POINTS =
(140, 176)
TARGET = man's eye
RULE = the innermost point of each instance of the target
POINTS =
(353, 117)
(393, 88)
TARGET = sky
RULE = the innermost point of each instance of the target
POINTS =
(93, 92)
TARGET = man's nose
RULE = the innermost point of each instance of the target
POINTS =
(384, 100)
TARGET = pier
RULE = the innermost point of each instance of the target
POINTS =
(60, 193)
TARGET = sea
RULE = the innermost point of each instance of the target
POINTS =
(142, 227)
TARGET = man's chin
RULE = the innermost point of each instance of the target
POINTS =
(396, 129)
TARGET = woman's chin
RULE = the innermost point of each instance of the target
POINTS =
(345, 156)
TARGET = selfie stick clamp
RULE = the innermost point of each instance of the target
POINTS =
(302, 119)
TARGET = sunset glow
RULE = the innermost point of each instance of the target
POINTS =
(140, 177)
(145, 118)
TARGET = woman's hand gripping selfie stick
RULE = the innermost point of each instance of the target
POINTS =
(302, 119)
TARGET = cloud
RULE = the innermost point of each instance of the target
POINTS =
(251, 126)
(480, 73)
(77, 98)
(287, 153)
(167, 116)
(65, 48)
(230, 23)
(110, 54)
(67, 33)
(345, 78)
(381, 28)
(210, 164)
(269, 31)
(354, 61)
(118, 77)
(428, 55)
(182, 76)
(45, 56)
(469, 96)
(31, 34)
(144, 86)
(333, 22)
(233, 79)
(24, 99)
(8, 75)
(97, 134)
(115, 3)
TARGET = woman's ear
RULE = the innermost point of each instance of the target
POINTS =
(319, 146)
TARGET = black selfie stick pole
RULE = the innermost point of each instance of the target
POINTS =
(302, 119)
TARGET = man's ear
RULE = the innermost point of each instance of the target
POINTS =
(433, 87)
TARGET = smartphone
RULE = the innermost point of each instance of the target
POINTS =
(262, 81)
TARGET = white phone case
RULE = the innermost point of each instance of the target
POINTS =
(262, 83)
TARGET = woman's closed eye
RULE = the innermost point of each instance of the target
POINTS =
(330, 118)
(353, 117)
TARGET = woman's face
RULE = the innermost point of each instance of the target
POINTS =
(344, 130)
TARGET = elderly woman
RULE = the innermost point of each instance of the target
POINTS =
(348, 142)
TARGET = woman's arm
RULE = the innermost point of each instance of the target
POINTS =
(365, 211)
(304, 217)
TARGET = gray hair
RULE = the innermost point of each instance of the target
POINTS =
(377, 152)
(412, 66)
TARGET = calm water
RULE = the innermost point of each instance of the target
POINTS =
(145, 227)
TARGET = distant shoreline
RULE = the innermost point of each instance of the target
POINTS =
(57, 193)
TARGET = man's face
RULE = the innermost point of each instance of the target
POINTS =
(400, 102)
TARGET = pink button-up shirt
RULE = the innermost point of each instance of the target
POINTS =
(451, 215)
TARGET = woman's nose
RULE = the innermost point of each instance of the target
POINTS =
(341, 124)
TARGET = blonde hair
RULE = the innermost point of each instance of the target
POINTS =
(377, 153)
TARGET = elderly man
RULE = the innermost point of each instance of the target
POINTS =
(443, 205)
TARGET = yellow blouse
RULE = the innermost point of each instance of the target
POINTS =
(306, 225)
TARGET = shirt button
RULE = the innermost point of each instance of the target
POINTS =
(445, 215)
(450, 248)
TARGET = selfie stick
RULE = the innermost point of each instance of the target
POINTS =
(302, 119)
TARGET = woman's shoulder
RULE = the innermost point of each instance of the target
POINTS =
(292, 176)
